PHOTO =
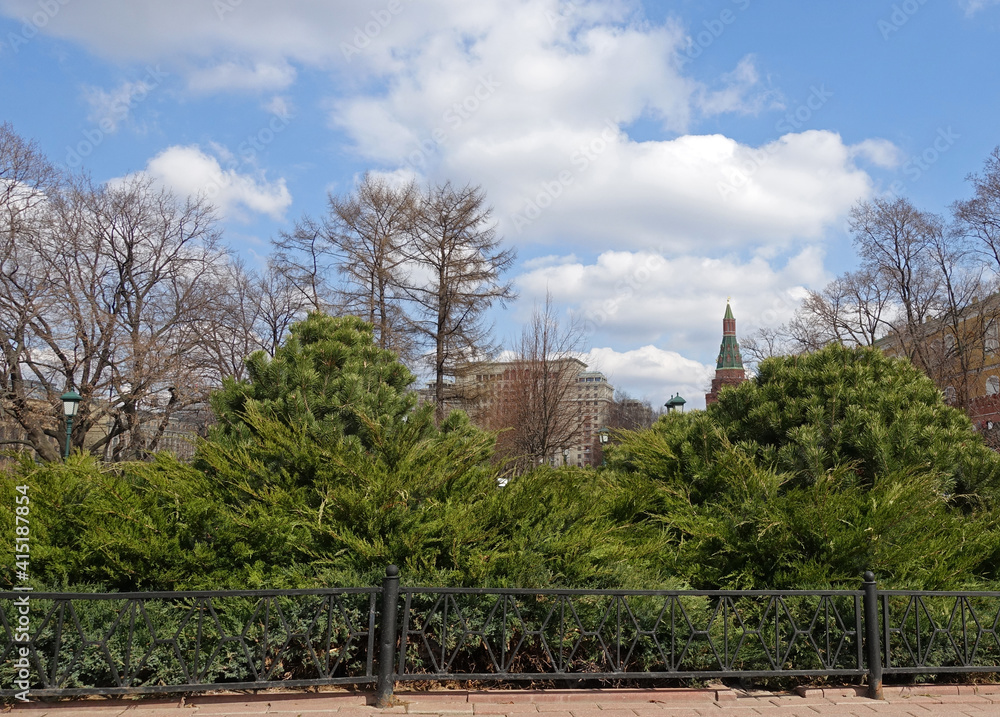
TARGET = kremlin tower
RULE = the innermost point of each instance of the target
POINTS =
(729, 369)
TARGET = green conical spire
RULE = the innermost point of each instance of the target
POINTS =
(729, 352)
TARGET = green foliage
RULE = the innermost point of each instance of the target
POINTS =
(329, 380)
(136, 526)
(321, 472)
(821, 467)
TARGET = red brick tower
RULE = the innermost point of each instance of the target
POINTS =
(729, 368)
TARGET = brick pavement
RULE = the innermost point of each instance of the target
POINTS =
(929, 701)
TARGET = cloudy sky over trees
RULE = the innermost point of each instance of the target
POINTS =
(647, 160)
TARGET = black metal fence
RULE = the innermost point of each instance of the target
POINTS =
(81, 643)
(62, 644)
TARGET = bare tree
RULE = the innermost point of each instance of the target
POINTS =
(895, 242)
(764, 343)
(308, 260)
(370, 228)
(252, 312)
(107, 294)
(27, 179)
(959, 351)
(353, 260)
(630, 414)
(534, 403)
(279, 308)
(854, 309)
(978, 218)
(455, 265)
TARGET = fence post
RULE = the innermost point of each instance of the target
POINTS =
(387, 638)
(873, 641)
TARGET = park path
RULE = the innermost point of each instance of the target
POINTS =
(930, 701)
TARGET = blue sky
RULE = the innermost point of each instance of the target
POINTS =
(648, 160)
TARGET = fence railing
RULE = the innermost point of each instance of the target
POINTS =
(132, 643)
(63, 644)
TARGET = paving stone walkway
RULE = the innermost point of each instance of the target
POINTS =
(930, 701)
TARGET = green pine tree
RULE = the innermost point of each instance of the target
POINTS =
(819, 468)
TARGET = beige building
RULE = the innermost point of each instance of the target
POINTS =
(586, 401)
(594, 395)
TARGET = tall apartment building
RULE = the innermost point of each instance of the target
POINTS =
(595, 396)
(585, 404)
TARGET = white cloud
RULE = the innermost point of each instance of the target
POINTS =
(629, 299)
(694, 193)
(653, 374)
(232, 76)
(530, 98)
(189, 171)
(740, 93)
(279, 106)
(516, 95)
(880, 152)
(109, 108)
(664, 316)
(971, 7)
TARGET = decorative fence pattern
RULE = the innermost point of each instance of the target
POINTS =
(188, 641)
(935, 632)
(63, 644)
(525, 635)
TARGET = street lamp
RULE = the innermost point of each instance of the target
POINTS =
(675, 402)
(603, 436)
(71, 404)
(565, 456)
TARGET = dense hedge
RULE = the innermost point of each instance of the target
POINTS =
(323, 470)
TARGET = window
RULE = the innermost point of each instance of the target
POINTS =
(993, 339)
(992, 386)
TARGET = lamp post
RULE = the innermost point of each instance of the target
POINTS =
(603, 436)
(675, 403)
(71, 404)
(565, 456)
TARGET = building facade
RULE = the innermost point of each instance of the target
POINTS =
(595, 397)
(961, 355)
(581, 399)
